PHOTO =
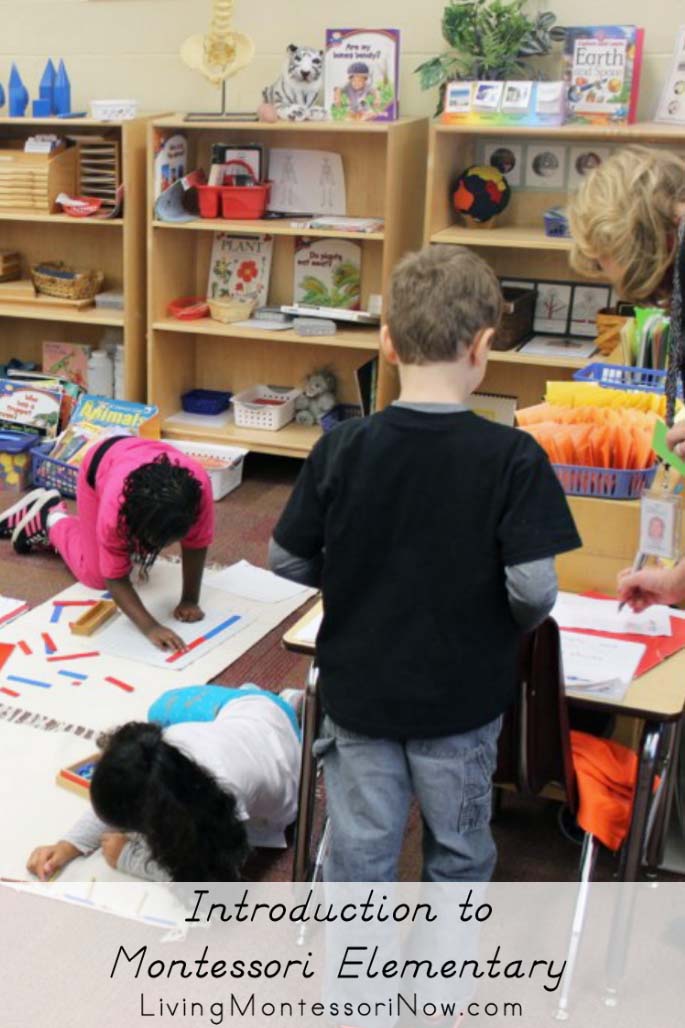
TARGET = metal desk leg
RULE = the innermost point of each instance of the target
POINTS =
(307, 788)
(634, 846)
(656, 837)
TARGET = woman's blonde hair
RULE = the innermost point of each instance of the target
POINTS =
(626, 212)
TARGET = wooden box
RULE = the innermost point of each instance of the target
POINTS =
(33, 181)
(517, 317)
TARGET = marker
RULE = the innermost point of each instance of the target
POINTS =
(638, 563)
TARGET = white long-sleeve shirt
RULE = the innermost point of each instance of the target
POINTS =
(252, 751)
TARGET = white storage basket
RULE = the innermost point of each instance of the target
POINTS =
(248, 412)
(230, 460)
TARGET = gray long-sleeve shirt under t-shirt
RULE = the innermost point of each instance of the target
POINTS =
(531, 587)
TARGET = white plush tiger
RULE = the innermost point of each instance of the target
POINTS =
(293, 95)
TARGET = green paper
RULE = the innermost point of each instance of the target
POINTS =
(661, 449)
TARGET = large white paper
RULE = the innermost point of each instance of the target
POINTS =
(306, 182)
(574, 611)
(96, 703)
(244, 579)
(597, 664)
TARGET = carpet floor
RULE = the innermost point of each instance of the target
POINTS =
(530, 846)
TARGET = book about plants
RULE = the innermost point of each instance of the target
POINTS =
(240, 266)
(328, 273)
(362, 74)
(602, 70)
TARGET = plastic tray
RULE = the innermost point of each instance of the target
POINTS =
(621, 376)
(206, 401)
(50, 473)
(607, 483)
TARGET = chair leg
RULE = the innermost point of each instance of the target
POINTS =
(317, 876)
(588, 859)
(307, 787)
(657, 828)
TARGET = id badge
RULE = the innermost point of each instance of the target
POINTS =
(660, 516)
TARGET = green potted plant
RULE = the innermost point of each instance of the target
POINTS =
(488, 39)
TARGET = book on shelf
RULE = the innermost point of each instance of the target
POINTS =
(26, 407)
(67, 360)
(602, 66)
(240, 266)
(362, 74)
(341, 224)
(171, 162)
(327, 273)
(228, 159)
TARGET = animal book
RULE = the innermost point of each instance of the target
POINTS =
(240, 266)
(602, 71)
(362, 74)
(328, 273)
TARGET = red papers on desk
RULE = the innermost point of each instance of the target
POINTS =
(659, 647)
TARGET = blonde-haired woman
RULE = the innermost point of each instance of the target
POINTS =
(628, 225)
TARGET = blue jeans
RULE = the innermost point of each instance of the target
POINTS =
(369, 787)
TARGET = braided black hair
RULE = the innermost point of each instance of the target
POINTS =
(143, 784)
(161, 502)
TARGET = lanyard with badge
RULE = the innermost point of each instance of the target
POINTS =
(661, 506)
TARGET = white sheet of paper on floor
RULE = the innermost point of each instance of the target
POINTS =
(574, 611)
(599, 665)
(244, 579)
(309, 632)
(98, 704)
(221, 621)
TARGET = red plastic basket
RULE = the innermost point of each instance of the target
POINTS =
(209, 198)
(245, 202)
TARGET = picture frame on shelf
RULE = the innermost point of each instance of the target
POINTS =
(583, 159)
(504, 155)
(588, 299)
(545, 166)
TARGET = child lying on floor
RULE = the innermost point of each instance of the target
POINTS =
(183, 796)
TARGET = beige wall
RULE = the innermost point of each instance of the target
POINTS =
(128, 48)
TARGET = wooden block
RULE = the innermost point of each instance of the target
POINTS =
(76, 777)
(95, 617)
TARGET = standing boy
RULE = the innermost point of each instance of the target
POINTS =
(432, 533)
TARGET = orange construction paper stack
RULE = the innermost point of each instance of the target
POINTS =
(592, 437)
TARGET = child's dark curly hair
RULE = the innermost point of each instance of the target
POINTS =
(143, 784)
(161, 502)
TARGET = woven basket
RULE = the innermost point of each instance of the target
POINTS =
(54, 278)
(230, 308)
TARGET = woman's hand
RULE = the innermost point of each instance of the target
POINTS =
(675, 439)
(187, 611)
(165, 638)
(46, 860)
(641, 589)
(112, 844)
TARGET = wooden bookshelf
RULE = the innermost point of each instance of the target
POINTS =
(385, 172)
(116, 246)
(517, 246)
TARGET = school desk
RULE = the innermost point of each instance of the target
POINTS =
(656, 698)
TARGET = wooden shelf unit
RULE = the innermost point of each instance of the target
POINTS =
(116, 246)
(384, 167)
(517, 246)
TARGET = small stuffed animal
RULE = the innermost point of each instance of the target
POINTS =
(292, 97)
(317, 397)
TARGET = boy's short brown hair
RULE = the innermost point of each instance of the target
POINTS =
(440, 298)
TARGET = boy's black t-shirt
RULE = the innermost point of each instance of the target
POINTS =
(418, 515)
